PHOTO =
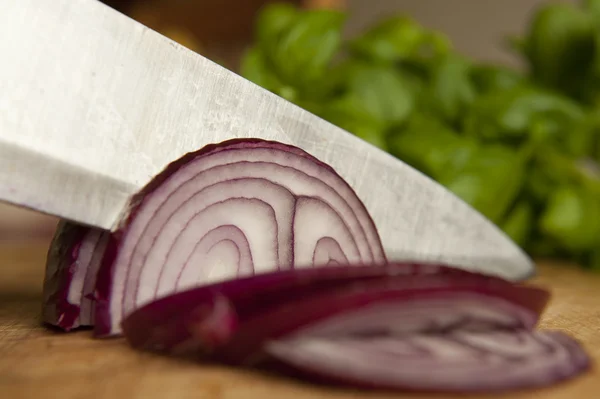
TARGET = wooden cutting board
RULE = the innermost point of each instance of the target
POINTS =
(38, 363)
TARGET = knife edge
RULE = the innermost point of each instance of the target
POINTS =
(56, 179)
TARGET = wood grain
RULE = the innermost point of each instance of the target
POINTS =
(36, 362)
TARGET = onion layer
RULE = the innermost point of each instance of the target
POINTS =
(463, 361)
(231, 210)
(164, 323)
(72, 264)
(396, 326)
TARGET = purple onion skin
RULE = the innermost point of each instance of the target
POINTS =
(262, 303)
(62, 264)
(103, 292)
(104, 285)
(246, 295)
(268, 319)
(260, 325)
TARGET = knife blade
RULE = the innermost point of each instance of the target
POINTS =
(93, 104)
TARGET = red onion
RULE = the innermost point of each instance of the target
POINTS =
(462, 360)
(164, 323)
(254, 252)
(231, 210)
(396, 326)
(388, 306)
(271, 305)
(73, 260)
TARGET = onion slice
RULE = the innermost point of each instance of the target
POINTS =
(388, 306)
(462, 361)
(400, 326)
(72, 264)
(167, 323)
(235, 209)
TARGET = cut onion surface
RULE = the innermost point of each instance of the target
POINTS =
(387, 306)
(456, 360)
(165, 323)
(271, 305)
(234, 209)
(416, 327)
(72, 264)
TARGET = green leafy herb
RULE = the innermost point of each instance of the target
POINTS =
(493, 78)
(381, 92)
(302, 51)
(518, 223)
(572, 218)
(451, 91)
(523, 149)
(430, 146)
(490, 181)
(521, 111)
(398, 38)
(255, 68)
(560, 46)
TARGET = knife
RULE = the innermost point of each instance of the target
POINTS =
(94, 104)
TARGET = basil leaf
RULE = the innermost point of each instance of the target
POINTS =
(492, 78)
(518, 223)
(490, 181)
(561, 46)
(398, 38)
(451, 91)
(572, 218)
(255, 68)
(303, 50)
(273, 20)
(431, 147)
(380, 92)
(514, 113)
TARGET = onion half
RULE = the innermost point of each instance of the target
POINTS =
(230, 210)
(72, 264)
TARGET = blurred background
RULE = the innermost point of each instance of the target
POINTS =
(515, 77)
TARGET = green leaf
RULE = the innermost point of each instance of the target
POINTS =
(566, 170)
(348, 114)
(542, 178)
(596, 148)
(593, 7)
(398, 38)
(370, 131)
(518, 223)
(490, 181)
(521, 111)
(272, 22)
(579, 140)
(572, 218)
(431, 147)
(590, 144)
(379, 92)
(254, 68)
(492, 78)
(561, 47)
(303, 49)
(450, 91)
